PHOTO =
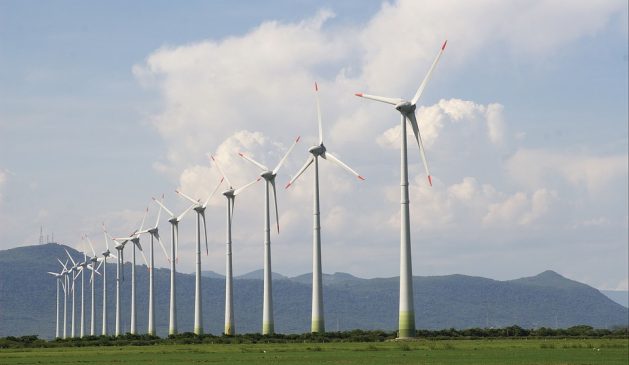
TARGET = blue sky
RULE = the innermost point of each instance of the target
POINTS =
(103, 105)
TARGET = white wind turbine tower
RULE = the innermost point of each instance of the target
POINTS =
(81, 267)
(200, 210)
(119, 246)
(73, 268)
(407, 109)
(103, 259)
(58, 277)
(65, 287)
(135, 239)
(154, 232)
(94, 259)
(318, 323)
(230, 194)
(268, 326)
(174, 253)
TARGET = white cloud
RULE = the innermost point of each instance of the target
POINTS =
(536, 167)
(252, 93)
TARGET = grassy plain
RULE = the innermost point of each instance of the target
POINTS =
(468, 352)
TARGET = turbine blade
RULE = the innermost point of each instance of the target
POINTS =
(301, 171)
(392, 101)
(240, 189)
(180, 217)
(159, 213)
(277, 217)
(91, 245)
(156, 234)
(422, 86)
(330, 157)
(112, 255)
(172, 215)
(176, 242)
(264, 168)
(105, 233)
(418, 138)
(207, 250)
(221, 171)
(53, 273)
(319, 113)
(70, 256)
(122, 263)
(187, 197)
(146, 212)
(279, 164)
(213, 192)
(143, 255)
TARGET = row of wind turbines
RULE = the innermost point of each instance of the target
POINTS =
(68, 275)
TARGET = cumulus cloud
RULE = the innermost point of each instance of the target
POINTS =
(253, 93)
(535, 167)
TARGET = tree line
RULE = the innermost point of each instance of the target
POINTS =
(581, 331)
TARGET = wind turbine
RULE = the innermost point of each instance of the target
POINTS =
(318, 323)
(174, 253)
(94, 259)
(103, 259)
(154, 232)
(407, 110)
(200, 210)
(58, 277)
(71, 271)
(64, 272)
(135, 239)
(119, 246)
(230, 194)
(82, 266)
(269, 175)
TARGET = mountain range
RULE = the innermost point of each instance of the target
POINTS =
(27, 299)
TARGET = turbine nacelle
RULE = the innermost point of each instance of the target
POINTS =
(229, 193)
(317, 150)
(267, 175)
(405, 107)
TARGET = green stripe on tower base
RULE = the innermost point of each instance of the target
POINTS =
(406, 325)
(268, 328)
(317, 326)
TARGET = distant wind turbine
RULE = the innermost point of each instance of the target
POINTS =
(103, 259)
(154, 232)
(230, 194)
(58, 277)
(94, 259)
(407, 109)
(200, 210)
(318, 322)
(174, 253)
(135, 239)
(269, 175)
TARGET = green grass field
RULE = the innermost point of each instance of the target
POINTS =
(486, 352)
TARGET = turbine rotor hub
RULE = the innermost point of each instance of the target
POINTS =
(317, 150)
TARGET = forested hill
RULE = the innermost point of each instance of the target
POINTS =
(27, 299)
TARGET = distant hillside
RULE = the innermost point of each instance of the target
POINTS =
(27, 299)
(619, 296)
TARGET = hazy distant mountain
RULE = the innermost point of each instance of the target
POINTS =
(211, 274)
(259, 275)
(619, 296)
(27, 299)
